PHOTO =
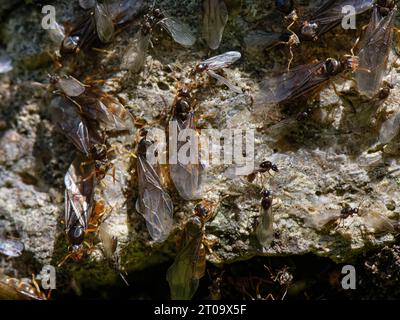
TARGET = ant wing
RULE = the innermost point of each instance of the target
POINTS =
(57, 34)
(222, 80)
(11, 248)
(153, 202)
(259, 39)
(124, 10)
(135, 56)
(319, 221)
(292, 84)
(79, 193)
(215, 17)
(184, 274)
(70, 122)
(109, 242)
(390, 129)
(374, 52)
(178, 31)
(104, 22)
(87, 4)
(187, 177)
(264, 229)
(71, 86)
(5, 64)
(378, 222)
(331, 13)
(222, 61)
(116, 116)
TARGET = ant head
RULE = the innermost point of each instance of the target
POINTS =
(201, 210)
(182, 107)
(184, 92)
(201, 67)
(70, 44)
(143, 145)
(332, 66)
(158, 13)
(99, 151)
(309, 30)
(266, 193)
(266, 165)
(53, 79)
(143, 132)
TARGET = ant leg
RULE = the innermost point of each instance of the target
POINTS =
(335, 89)
(35, 283)
(60, 264)
(90, 176)
(269, 297)
(291, 57)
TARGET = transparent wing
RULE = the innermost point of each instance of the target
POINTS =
(374, 52)
(57, 34)
(123, 11)
(321, 219)
(135, 56)
(378, 222)
(291, 85)
(71, 86)
(215, 17)
(11, 248)
(179, 32)
(390, 129)
(69, 121)
(223, 60)
(183, 275)
(79, 193)
(259, 39)
(331, 13)
(222, 80)
(95, 104)
(118, 116)
(264, 230)
(154, 203)
(104, 22)
(108, 241)
(186, 177)
(87, 4)
(5, 64)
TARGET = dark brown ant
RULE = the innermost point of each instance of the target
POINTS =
(266, 201)
(304, 115)
(347, 211)
(265, 166)
(384, 92)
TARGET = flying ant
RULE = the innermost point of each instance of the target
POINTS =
(190, 263)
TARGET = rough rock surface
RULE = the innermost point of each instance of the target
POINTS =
(332, 159)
